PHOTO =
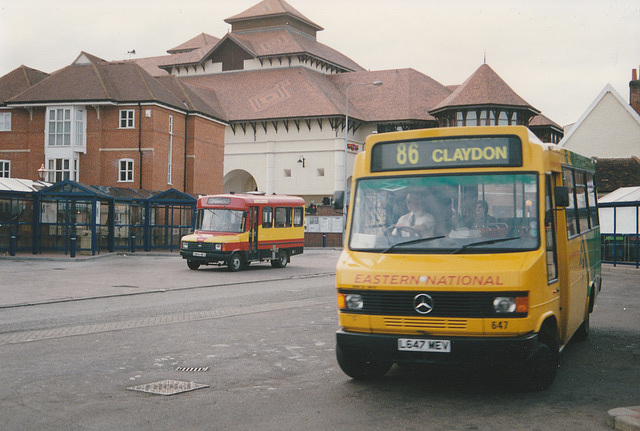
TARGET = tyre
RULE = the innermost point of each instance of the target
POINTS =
(193, 265)
(358, 369)
(281, 260)
(541, 368)
(235, 263)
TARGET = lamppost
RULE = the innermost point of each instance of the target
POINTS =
(346, 152)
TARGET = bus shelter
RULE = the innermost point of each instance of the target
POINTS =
(17, 213)
(171, 216)
(619, 226)
(74, 217)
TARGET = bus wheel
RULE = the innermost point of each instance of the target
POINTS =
(358, 369)
(235, 262)
(193, 265)
(281, 261)
(541, 368)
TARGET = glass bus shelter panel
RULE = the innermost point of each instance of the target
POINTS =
(62, 218)
(128, 222)
(169, 223)
(459, 212)
(16, 218)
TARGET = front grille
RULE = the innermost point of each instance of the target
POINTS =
(198, 246)
(466, 305)
(417, 323)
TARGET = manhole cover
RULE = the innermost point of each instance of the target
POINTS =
(168, 387)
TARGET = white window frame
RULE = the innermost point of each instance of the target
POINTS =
(128, 171)
(5, 121)
(60, 169)
(66, 127)
(127, 119)
(5, 168)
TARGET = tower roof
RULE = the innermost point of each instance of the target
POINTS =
(483, 88)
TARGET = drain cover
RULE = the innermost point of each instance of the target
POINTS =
(168, 387)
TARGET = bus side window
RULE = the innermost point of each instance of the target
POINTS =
(570, 210)
(267, 217)
(593, 199)
(298, 219)
(283, 217)
(581, 196)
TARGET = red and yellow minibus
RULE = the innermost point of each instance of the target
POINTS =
(472, 245)
(237, 229)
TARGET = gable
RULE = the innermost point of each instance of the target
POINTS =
(610, 128)
(231, 55)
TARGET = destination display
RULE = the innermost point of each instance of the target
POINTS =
(450, 152)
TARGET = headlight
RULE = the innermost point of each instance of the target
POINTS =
(354, 301)
(511, 304)
(218, 247)
(503, 304)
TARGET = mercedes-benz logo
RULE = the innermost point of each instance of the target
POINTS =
(423, 303)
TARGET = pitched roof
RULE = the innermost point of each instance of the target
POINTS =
(541, 120)
(203, 39)
(18, 80)
(607, 90)
(91, 79)
(405, 94)
(611, 174)
(279, 42)
(484, 87)
(299, 92)
(270, 8)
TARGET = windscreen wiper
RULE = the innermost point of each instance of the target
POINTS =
(489, 241)
(411, 241)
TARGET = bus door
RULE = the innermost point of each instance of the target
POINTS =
(253, 252)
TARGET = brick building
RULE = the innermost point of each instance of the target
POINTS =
(110, 124)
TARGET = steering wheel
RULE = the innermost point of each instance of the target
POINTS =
(399, 229)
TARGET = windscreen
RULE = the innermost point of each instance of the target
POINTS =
(470, 213)
(220, 220)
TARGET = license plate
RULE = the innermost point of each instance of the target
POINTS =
(421, 345)
(199, 254)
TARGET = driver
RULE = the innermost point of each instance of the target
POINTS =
(417, 222)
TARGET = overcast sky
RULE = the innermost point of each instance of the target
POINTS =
(558, 55)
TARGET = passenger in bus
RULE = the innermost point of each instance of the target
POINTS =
(482, 216)
(417, 222)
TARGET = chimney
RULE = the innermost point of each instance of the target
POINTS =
(634, 91)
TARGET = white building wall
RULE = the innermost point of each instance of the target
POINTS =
(271, 157)
(609, 129)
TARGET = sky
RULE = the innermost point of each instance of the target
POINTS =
(558, 55)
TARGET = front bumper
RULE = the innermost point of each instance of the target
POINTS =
(464, 350)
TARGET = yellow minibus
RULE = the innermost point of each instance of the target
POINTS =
(467, 245)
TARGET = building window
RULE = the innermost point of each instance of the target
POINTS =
(5, 122)
(127, 118)
(502, 119)
(66, 127)
(170, 164)
(472, 118)
(59, 127)
(5, 169)
(459, 119)
(59, 170)
(125, 174)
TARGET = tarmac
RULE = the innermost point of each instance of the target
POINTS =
(621, 418)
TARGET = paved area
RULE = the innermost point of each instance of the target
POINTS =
(112, 278)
